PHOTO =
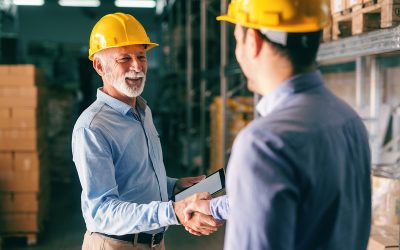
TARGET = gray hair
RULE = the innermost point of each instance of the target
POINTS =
(101, 56)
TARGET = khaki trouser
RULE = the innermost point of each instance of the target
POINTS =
(94, 241)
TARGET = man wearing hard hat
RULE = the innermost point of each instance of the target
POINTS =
(117, 151)
(298, 176)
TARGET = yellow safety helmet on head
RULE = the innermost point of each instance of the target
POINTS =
(116, 30)
(291, 16)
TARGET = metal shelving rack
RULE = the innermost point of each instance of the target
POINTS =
(368, 52)
(196, 69)
(375, 47)
(8, 22)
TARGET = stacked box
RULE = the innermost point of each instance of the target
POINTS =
(384, 237)
(23, 169)
(351, 3)
(338, 6)
(239, 113)
(385, 201)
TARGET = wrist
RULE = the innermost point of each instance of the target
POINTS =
(178, 211)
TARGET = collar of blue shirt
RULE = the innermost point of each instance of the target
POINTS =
(296, 84)
(120, 106)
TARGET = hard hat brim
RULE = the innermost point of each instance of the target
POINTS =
(150, 45)
(287, 28)
(235, 21)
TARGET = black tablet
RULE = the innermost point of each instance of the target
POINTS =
(212, 184)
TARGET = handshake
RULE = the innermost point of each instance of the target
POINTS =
(194, 211)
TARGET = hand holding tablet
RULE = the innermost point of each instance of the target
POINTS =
(212, 184)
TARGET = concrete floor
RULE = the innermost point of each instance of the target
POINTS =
(65, 227)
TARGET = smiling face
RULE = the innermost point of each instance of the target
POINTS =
(123, 70)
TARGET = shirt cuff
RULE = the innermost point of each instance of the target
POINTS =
(166, 214)
(170, 186)
(219, 207)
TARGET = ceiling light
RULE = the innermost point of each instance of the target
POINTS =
(29, 2)
(79, 3)
(136, 3)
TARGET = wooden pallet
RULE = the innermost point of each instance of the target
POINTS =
(366, 16)
(31, 238)
(327, 34)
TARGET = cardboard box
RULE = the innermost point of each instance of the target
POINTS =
(338, 6)
(22, 69)
(25, 174)
(385, 201)
(20, 75)
(18, 118)
(19, 96)
(19, 181)
(19, 222)
(351, 3)
(384, 238)
(5, 117)
(24, 118)
(6, 162)
(26, 161)
(19, 202)
(19, 139)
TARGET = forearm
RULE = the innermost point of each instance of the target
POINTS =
(117, 217)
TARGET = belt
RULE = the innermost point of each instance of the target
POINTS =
(151, 239)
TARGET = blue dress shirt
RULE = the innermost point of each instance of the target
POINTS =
(117, 153)
(299, 176)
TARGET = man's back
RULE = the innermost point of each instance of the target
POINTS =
(307, 166)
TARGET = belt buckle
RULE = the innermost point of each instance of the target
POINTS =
(153, 239)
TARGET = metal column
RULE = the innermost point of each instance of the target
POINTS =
(224, 82)
(360, 79)
(203, 81)
(189, 80)
(375, 103)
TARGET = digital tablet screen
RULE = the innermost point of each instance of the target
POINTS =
(212, 184)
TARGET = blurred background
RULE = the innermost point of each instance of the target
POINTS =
(196, 91)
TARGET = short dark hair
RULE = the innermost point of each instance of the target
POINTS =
(301, 48)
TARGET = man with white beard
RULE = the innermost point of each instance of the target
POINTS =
(117, 150)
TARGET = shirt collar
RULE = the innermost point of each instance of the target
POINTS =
(296, 84)
(118, 105)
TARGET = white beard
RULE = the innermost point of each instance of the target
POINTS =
(130, 91)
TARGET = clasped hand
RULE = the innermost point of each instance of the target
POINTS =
(194, 212)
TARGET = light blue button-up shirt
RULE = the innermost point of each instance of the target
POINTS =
(117, 154)
(299, 176)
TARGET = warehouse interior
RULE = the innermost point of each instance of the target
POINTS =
(197, 94)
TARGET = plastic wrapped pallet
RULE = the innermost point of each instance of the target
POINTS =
(239, 112)
(386, 201)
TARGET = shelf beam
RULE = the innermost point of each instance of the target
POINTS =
(371, 43)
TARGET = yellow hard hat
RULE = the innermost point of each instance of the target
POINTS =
(116, 30)
(292, 16)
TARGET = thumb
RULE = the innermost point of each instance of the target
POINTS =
(187, 213)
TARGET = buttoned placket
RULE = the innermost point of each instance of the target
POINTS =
(151, 150)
